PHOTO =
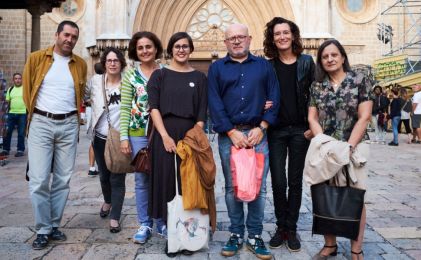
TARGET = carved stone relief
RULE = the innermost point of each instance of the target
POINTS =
(213, 15)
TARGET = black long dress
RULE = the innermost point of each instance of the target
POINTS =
(181, 98)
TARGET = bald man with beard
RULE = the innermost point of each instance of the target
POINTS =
(238, 87)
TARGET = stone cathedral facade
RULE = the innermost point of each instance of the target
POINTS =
(112, 22)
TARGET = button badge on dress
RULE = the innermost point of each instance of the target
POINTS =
(191, 84)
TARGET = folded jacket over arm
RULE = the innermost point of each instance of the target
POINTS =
(196, 148)
(326, 157)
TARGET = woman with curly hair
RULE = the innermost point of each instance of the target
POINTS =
(289, 137)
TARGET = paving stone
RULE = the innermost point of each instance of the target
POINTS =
(105, 236)
(153, 257)
(400, 232)
(265, 236)
(390, 249)
(130, 221)
(73, 236)
(215, 247)
(416, 254)
(393, 207)
(406, 244)
(17, 206)
(195, 256)
(409, 213)
(370, 235)
(15, 234)
(16, 220)
(66, 218)
(407, 221)
(218, 256)
(129, 202)
(270, 227)
(283, 253)
(88, 221)
(385, 223)
(396, 257)
(221, 236)
(111, 251)
(89, 208)
(70, 251)
(21, 251)
(131, 210)
(153, 246)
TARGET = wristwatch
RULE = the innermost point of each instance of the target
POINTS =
(263, 129)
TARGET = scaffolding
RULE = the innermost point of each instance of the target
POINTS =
(399, 29)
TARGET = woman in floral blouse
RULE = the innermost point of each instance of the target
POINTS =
(144, 48)
(340, 106)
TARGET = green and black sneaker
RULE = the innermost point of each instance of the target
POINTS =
(257, 246)
(234, 244)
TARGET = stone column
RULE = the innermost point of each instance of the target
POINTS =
(112, 20)
(36, 31)
(36, 10)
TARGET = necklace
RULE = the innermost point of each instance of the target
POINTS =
(335, 84)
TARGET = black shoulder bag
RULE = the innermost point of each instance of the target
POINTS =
(337, 210)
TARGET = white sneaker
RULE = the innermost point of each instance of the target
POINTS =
(142, 235)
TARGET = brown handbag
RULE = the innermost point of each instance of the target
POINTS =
(142, 162)
(116, 161)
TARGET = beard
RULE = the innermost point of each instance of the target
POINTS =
(239, 54)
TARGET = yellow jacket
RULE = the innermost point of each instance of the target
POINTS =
(36, 68)
(193, 193)
(198, 171)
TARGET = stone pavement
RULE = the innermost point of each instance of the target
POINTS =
(393, 215)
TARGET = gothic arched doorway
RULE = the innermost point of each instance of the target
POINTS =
(206, 20)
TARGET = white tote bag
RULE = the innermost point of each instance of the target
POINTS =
(187, 229)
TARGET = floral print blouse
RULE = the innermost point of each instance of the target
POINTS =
(338, 111)
(134, 104)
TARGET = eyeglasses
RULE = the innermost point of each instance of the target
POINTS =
(185, 47)
(112, 61)
(240, 38)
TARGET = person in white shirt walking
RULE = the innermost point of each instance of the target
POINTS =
(54, 81)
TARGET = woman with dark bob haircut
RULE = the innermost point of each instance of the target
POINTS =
(113, 185)
(289, 137)
(144, 48)
(340, 107)
(176, 37)
(178, 101)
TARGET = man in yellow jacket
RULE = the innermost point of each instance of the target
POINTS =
(53, 82)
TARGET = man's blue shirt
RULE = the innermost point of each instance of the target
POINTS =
(237, 92)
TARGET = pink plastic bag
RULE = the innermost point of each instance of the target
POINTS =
(247, 171)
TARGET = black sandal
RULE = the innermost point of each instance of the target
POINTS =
(334, 253)
(104, 213)
(358, 254)
(319, 256)
(115, 229)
